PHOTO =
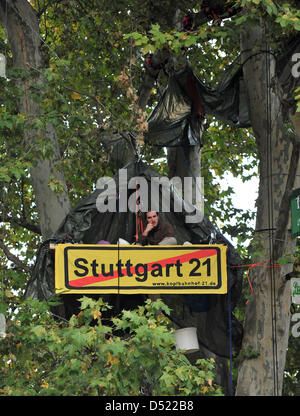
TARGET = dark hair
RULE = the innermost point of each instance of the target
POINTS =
(151, 211)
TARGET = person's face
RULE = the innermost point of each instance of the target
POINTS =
(152, 218)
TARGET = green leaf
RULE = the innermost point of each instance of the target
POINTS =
(148, 49)
(4, 174)
(87, 302)
(3, 307)
(38, 330)
(191, 40)
(286, 260)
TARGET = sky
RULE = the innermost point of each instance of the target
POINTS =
(245, 192)
(244, 197)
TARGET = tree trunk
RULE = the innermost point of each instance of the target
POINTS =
(267, 320)
(21, 24)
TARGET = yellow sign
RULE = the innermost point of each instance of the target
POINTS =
(129, 269)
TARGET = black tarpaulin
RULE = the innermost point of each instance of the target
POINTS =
(177, 118)
(85, 224)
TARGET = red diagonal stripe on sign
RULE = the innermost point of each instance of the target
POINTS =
(84, 281)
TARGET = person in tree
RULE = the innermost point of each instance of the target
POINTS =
(157, 232)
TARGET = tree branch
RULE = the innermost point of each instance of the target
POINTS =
(14, 259)
(42, 10)
(159, 58)
(22, 223)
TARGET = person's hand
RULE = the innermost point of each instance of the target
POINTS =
(148, 228)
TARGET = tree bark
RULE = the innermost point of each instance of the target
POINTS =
(21, 24)
(267, 319)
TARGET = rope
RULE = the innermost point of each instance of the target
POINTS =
(271, 221)
(267, 51)
(136, 213)
(230, 327)
(33, 30)
(118, 210)
(251, 266)
(2, 315)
